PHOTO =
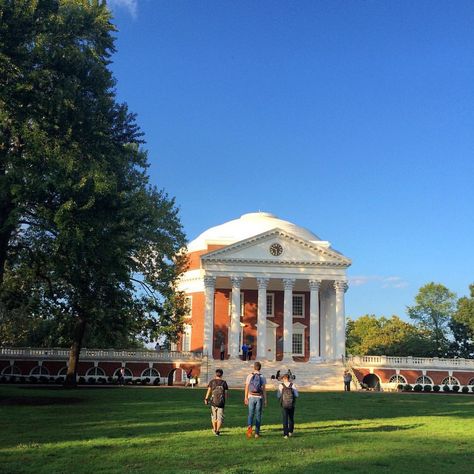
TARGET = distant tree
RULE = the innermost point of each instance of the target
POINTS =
(462, 326)
(370, 335)
(433, 311)
(465, 309)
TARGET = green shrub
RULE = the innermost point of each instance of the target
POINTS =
(446, 388)
(400, 386)
(33, 379)
(456, 388)
(427, 388)
(436, 388)
(407, 387)
(465, 389)
(418, 388)
(82, 380)
(157, 381)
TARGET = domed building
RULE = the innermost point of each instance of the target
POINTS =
(267, 283)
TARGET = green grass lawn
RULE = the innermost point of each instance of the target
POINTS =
(136, 429)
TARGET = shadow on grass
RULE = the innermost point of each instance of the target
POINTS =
(157, 413)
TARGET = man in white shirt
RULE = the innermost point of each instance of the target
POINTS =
(255, 399)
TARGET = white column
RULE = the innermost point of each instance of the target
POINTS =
(207, 344)
(340, 343)
(262, 318)
(288, 284)
(314, 330)
(235, 318)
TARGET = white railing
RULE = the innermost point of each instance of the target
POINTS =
(425, 362)
(97, 354)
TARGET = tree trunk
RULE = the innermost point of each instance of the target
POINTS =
(74, 352)
(6, 231)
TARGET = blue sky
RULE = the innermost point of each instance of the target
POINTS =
(354, 119)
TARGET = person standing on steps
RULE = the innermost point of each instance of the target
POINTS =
(245, 349)
(222, 350)
(287, 394)
(255, 398)
(216, 395)
(347, 381)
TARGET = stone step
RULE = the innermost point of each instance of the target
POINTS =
(309, 375)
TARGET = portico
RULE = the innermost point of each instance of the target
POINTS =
(281, 291)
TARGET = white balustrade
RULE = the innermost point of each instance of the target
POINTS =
(406, 362)
(97, 354)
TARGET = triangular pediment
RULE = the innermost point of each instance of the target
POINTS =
(278, 247)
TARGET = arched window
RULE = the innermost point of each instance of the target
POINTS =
(39, 370)
(128, 373)
(397, 379)
(471, 382)
(150, 373)
(95, 372)
(62, 372)
(424, 380)
(11, 370)
(450, 381)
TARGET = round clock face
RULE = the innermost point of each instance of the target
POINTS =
(276, 249)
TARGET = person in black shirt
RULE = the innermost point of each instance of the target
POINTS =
(216, 395)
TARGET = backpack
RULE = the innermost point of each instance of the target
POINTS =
(218, 396)
(255, 384)
(287, 398)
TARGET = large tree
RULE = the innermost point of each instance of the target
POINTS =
(433, 309)
(85, 241)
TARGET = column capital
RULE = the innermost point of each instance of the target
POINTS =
(288, 283)
(262, 283)
(236, 281)
(314, 285)
(209, 281)
(340, 286)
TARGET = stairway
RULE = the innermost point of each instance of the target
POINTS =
(309, 375)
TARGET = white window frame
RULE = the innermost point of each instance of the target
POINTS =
(189, 304)
(42, 371)
(425, 380)
(397, 378)
(11, 370)
(272, 298)
(152, 376)
(302, 296)
(127, 373)
(299, 328)
(186, 338)
(92, 372)
(449, 381)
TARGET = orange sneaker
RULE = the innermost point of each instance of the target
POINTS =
(249, 432)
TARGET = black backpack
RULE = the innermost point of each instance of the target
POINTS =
(287, 398)
(218, 396)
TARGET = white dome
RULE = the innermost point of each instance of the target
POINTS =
(247, 226)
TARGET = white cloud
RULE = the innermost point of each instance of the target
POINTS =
(383, 281)
(130, 5)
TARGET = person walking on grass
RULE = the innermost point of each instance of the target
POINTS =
(255, 398)
(216, 395)
(287, 394)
